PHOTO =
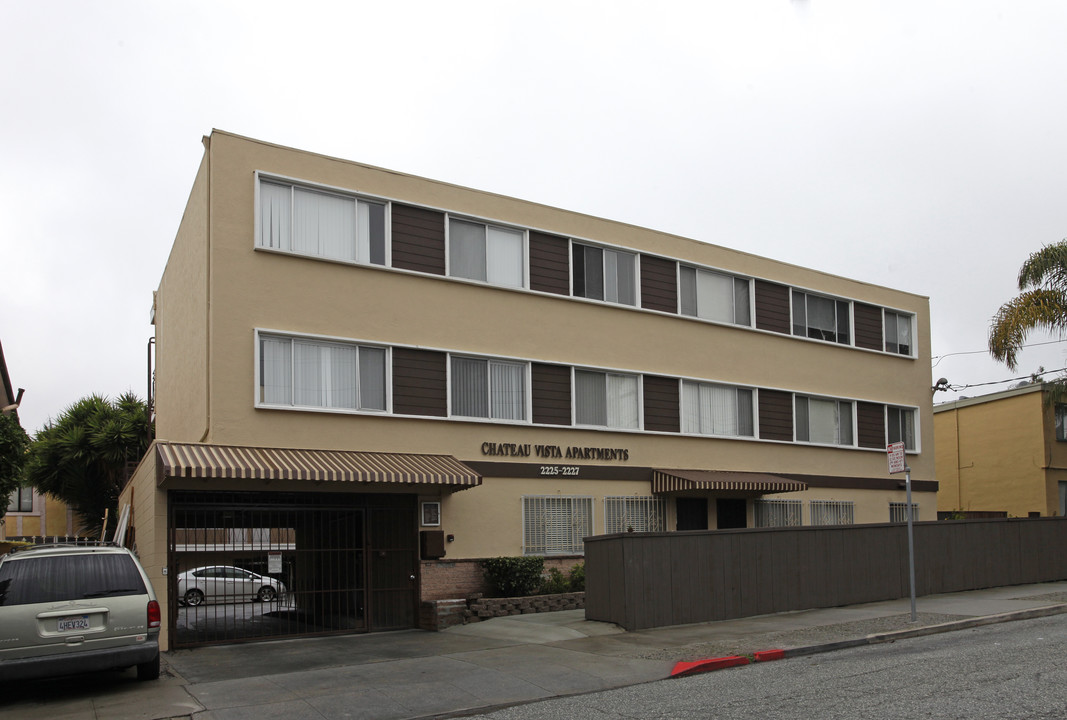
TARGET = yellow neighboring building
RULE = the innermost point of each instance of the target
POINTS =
(1003, 454)
(367, 382)
(32, 515)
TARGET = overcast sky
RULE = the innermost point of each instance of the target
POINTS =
(916, 144)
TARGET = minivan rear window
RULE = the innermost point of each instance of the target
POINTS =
(70, 577)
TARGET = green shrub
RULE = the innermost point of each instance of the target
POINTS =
(555, 582)
(513, 576)
(576, 578)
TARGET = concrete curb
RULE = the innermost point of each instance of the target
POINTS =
(687, 669)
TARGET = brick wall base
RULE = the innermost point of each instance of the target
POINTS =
(445, 579)
(441, 614)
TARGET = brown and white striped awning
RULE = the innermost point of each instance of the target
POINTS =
(200, 460)
(666, 481)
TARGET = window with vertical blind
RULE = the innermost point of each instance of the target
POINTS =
(300, 372)
(832, 512)
(490, 253)
(898, 333)
(823, 421)
(635, 513)
(483, 388)
(21, 500)
(606, 399)
(555, 525)
(714, 296)
(777, 513)
(604, 274)
(321, 223)
(821, 318)
(900, 426)
(898, 512)
(712, 409)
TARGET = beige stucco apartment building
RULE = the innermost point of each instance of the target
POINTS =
(1002, 455)
(367, 381)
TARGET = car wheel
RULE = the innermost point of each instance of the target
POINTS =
(267, 594)
(149, 670)
(194, 597)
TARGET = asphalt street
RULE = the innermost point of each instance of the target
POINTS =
(1010, 670)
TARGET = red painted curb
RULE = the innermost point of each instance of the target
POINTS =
(702, 666)
(767, 655)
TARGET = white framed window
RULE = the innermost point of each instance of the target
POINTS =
(634, 513)
(321, 223)
(484, 388)
(300, 372)
(604, 274)
(778, 513)
(900, 426)
(822, 421)
(712, 409)
(821, 318)
(489, 253)
(898, 333)
(21, 500)
(714, 296)
(832, 512)
(898, 512)
(555, 524)
(606, 399)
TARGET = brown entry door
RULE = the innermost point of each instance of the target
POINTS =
(393, 562)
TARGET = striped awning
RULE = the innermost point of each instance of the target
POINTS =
(666, 481)
(199, 460)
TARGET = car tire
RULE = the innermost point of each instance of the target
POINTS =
(267, 594)
(194, 597)
(149, 670)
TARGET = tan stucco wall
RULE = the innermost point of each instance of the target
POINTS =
(50, 517)
(993, 454)
(182, 322)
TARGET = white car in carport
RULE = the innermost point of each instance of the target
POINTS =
(224, 583)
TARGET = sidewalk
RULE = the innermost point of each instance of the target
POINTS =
(416, 674)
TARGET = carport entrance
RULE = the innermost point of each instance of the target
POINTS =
(256, 565)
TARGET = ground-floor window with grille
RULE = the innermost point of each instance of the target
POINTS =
(898, 512)
(778, 513)
(555, 525)
(832, 512)
(634, 514)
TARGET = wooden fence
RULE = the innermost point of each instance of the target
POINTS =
(645, 580)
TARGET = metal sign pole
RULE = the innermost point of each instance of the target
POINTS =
(911, 543)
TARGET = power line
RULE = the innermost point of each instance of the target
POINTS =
(939, 358)
(1035, 376)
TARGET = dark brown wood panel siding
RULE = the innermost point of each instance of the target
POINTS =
(772, 307)
(868, 326)
(420, 380)
(775, 415)
(551, 394)
(661, 404)
(549, 263)
(659, 284)
(418, 239)
(870, 421)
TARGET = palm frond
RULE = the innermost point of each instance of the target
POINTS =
(1032, 310)
(1046, 268)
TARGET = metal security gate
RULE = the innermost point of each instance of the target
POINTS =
(256, 565)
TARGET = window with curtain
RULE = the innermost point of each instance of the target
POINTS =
(711, 409)
(321, 223)
(714, 296)
(898, 333)
(21, 500)
(606, 399)
(778, 513)
(488, 389)
(822, 421)
(1061, 422)
(821, 318)
(900, 426)
(556, 525)
(311, 373)
(489, 253)
(603, 274)
(635, 513)
(832, 512)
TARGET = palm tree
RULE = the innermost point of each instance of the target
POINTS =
(82, 457)
(1041, 304)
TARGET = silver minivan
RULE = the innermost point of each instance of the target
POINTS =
(68, 609)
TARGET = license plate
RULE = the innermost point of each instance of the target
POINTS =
(74, 623)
